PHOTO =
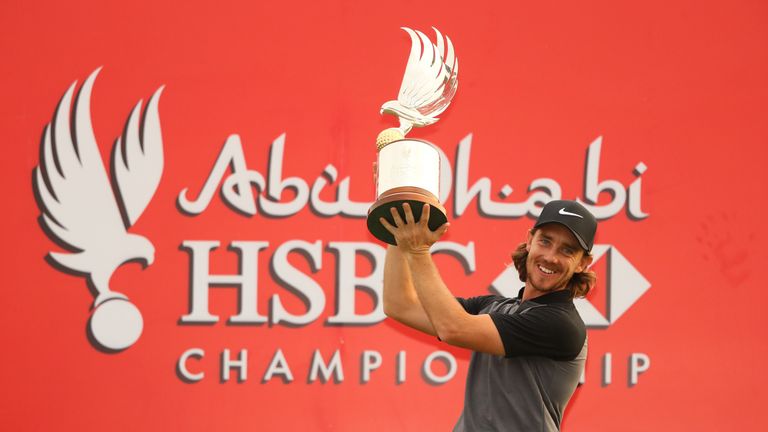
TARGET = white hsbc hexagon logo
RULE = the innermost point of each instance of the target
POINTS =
(625, 285)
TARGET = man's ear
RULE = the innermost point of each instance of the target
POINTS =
(529, 240)
(586, 260)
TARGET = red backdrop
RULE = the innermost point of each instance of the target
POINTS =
(679, 87)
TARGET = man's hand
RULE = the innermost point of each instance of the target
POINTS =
(413, 237)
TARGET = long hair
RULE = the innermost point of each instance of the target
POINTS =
(579, 285)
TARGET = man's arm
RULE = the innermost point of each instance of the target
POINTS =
(448, 318)
(400, 300)
(451, 322)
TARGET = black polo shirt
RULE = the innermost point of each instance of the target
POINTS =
(528, 388)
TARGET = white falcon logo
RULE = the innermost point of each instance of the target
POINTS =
(81, 211)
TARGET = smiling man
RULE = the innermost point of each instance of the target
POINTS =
(529, 351)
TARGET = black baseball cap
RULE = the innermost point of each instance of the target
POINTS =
(573, 216)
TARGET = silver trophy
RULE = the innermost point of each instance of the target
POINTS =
(408, 170)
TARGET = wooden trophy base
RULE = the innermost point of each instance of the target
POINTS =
(395, 197)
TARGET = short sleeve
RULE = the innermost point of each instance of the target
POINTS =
(546, 331)
(475, 305)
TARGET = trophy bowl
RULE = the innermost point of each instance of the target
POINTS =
(407, 170)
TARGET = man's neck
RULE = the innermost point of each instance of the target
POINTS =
(531, 293)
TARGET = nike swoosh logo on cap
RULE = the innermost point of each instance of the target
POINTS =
(563, 212)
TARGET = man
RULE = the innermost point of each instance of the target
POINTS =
(529, 351)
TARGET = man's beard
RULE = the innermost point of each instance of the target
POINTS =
(550, 284)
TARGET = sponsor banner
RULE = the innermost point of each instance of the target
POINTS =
(187, 191)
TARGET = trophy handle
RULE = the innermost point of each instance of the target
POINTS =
(396, 197)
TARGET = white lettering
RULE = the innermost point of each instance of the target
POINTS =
(319, 367)
(546, 190)
(348, 282)
(446, 358)
(593, 188)
(237, 188)
(638, 363)
(342, 204)
(181, 366)
(202, 281)
(633, 201)
(278, 366)
(607, 374)
(241, 364)
(401, 367)
(302, 285)
(276, 185)
(372, 360)
(369, 361)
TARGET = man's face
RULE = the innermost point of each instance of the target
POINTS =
(554, 255)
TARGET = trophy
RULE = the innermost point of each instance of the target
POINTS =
(408, 170)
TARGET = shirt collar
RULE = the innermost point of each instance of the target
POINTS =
(561, 296)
